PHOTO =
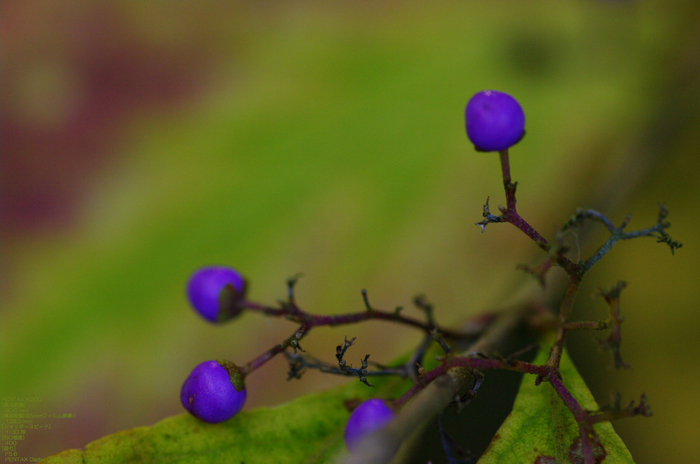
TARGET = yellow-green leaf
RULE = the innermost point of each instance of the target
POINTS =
(540, 429)
(306, 430)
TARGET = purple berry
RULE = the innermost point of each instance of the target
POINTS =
(495, 121)
(215, 292)
(371, 415)
(209, 393)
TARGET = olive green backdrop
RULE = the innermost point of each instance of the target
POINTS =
(329, 140)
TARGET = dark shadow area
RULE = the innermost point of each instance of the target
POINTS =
(473, 428)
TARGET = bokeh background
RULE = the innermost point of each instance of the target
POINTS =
(142, 140)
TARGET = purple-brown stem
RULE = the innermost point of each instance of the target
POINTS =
(470, 362)
(612, 297)
(587, 325)
(546, 372)
(505, 167)
(550, 370)
(292, 341)
(292, 312)
(564, 310)
(510, 212)
(616, 411)
(580, 415)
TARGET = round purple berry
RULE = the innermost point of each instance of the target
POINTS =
(370, 416)
(495, 121)
(209, 393)
(215, 292)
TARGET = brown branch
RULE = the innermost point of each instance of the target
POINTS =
(380, 447)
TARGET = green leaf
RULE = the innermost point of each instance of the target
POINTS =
(540, 429)
(306, 430)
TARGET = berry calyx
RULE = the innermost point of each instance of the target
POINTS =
(209, 393)
(215, 291)
(370, 416)
(495, 121)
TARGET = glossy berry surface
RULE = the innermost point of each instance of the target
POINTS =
(495, 121)
(371, 415)
(209, 395)
(204, 292)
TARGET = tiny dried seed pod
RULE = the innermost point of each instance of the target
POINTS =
(495, 121)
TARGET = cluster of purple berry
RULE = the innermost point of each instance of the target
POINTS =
(214, 391)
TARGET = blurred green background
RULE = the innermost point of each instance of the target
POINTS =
(141, 141)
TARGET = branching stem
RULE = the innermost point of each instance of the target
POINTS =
(564, 311)
(294, 313)
(289, 310)
(510, 213)
(435, 389)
